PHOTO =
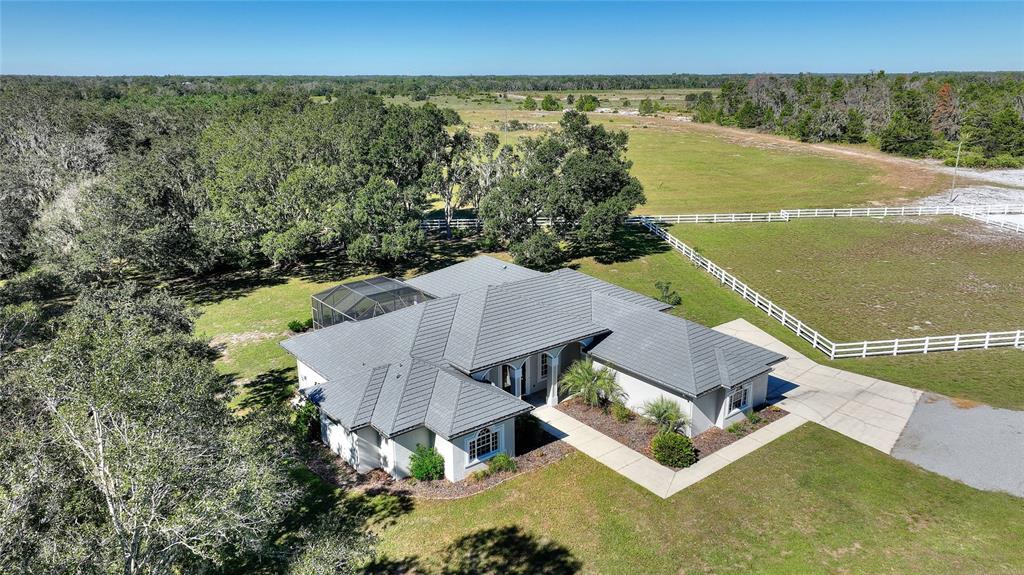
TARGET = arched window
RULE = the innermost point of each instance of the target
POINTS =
(484, 444)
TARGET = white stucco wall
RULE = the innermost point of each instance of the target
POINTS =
(360, 449)
(638, 392)
(456, 457)
(704, 412)
(758, 391)
(401, 447)
(307, 377)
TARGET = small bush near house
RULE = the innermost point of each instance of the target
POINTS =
(426, 463)
(738, 428)
(300, 326)
(665, 413)
(672, 449)
(753, 418)
(621, 413)
(666, 294)
(596, 387)
(479, 475)
(501, 463)
(307, 422)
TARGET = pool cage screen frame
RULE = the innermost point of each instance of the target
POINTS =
(362, 299)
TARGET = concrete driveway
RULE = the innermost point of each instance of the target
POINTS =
(866, 409)
(977, 444)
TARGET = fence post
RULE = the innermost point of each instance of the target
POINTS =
(895, 347)
(987, 336)
(956, 343)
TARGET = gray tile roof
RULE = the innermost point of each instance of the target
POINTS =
(471, 274)
(678, 354)
(409, 368)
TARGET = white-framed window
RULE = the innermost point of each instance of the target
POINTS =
(484, 444)
(545, 366)
(739, 399)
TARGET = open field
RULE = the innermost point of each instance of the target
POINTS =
(812, 501)
(872, 279)
(687, 167)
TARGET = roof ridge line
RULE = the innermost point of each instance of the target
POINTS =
(723, 366)
(477, 328)
(689, 352)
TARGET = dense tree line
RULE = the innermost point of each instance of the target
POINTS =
(909, 115)
(121, 455)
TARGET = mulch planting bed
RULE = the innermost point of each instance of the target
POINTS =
(635, 433)
(714, 439)
(335, 471)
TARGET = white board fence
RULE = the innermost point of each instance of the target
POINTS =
(832, 349)
(866, 212)
(786, 215)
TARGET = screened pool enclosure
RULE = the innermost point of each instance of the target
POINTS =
(363, 299)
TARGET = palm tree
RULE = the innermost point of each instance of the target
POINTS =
(596, 387)
(665, 413)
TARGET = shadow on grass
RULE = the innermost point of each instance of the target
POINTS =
(630, 243)
(495, 551)
(268, 389)
(507, 550)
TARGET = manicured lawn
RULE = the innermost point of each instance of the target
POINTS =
(988, 376)
(813, 501)
(873, 279)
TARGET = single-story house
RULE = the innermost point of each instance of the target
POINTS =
(486, 342)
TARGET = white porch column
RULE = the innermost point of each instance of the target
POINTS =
(517, 376)
(554, 365)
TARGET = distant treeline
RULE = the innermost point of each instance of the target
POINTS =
(114, 87)
(916, 116)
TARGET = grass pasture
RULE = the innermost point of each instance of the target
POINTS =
(987, 376)
(872, 279)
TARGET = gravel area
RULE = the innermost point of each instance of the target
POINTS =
(979, 445)
(635, 434)
(337, 472)
(974, 196)
(714, 439)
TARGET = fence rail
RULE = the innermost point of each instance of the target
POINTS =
(818, 341)
(988, 220)
(865, 212)
(786, 215)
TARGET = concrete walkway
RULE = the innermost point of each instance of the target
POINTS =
(871, 411)
(647, 473)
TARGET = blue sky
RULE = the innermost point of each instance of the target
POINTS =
(90, 38)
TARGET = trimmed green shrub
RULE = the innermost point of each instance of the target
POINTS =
(621, 413)
(300, 326)
(426, 463)
(673, 449)
(501, 463)
(753, 418)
